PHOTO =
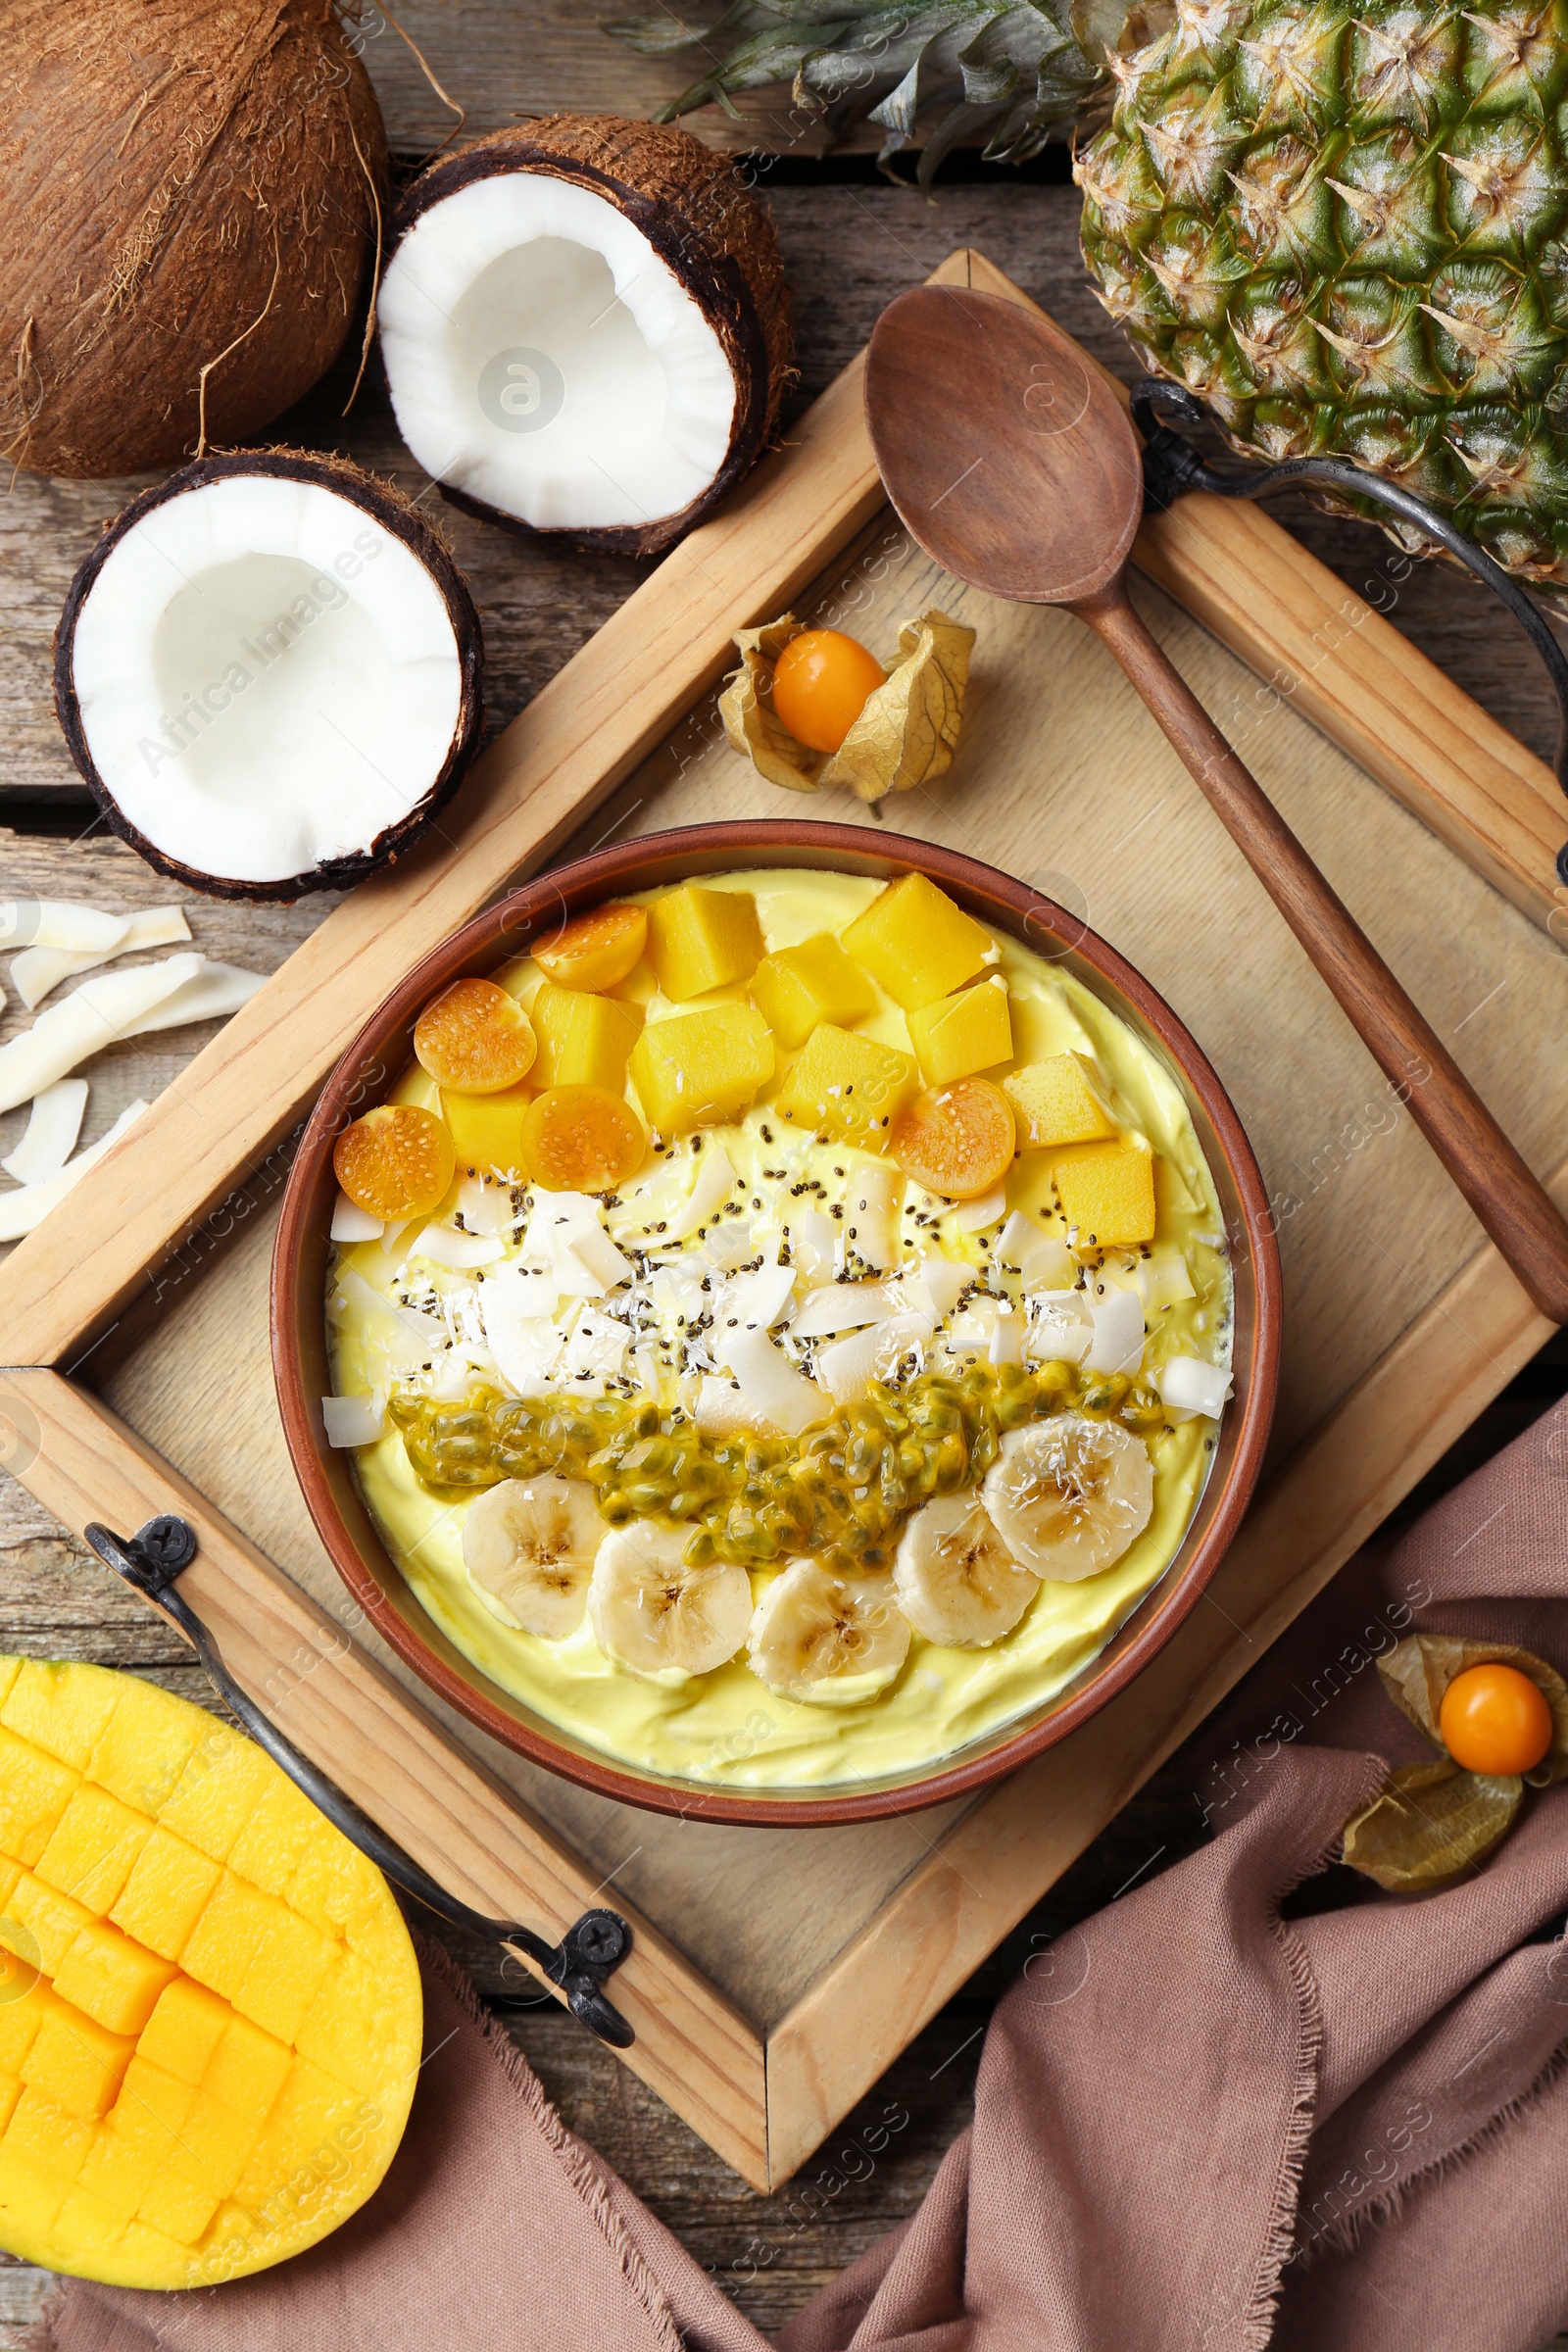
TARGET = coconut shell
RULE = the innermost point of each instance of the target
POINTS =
(700, 218)
(181, 182)
(388, 507)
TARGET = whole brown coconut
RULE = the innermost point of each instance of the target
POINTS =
(193, 194)
(691, 207)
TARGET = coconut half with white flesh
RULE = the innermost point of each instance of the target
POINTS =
(585, 329)
(268, 673)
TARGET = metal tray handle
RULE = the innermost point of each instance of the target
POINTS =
(592, 1946)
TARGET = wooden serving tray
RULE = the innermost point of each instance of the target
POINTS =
(776, 1973)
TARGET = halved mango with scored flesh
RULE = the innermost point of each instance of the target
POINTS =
(159, 2128)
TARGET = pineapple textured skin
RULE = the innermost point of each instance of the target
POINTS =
(1344, 230)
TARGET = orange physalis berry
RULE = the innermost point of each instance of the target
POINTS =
(958, 1140)
(595, 950)
(474, 1037)
(581, 1139)
(1493, 1719)
(397, 1161)
(821, 684)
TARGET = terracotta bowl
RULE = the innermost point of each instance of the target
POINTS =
(382, 1050)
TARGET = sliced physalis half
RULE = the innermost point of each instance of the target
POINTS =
(1497, 1716)
(475, 1038)
(811, 707)
(397, 1161)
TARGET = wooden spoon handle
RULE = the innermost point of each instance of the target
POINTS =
(1513, 1206)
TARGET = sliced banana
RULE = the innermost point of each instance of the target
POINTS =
(656, 1616)
(529, 1545)
(830, 1640)
(957, 1581)
(1069, 1494)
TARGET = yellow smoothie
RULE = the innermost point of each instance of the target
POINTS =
(409, 1330)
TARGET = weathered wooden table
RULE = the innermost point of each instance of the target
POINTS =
(850, 243)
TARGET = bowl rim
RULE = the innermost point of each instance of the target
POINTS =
(498, 935)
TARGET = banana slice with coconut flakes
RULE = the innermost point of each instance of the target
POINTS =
(529, 1547)
(657, 1617)
(957, 1581)
(828, 1639)
(1069, 1494)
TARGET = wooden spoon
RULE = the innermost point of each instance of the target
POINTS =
(1010, 457)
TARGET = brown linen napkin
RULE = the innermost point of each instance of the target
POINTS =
(1197, 2128)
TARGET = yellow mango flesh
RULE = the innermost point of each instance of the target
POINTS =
(799, 986)
(584, 1039)
(1108, 1196)
(917, 943)
(959, 1034)
(1053, 1102)
(702, 1069)
(487, 1129)
(700, 938)
(847, 1087)
(210, 2010)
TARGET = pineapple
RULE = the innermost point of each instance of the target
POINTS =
(1343, 233)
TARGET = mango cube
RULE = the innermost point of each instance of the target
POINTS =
(45, 2138)
(56, 1711)
(960, 1035)
(165, 1894)
(34, 1790)
(246, 2071)
(487, 1130)
(1108, 1196)
(846, 1086)
(284, 1975)
(701, 1069)
(145, 1745)
(220, 1789)
(1054, 1102)
(797, 987)
(76, 2062)
(700, 938)
(111, 1978)
(583, 1039)
(94, 1847)
(184, 2029)
(271, 1846)
(10, 2093)
(40, 1926)
(228, 1935)
(22, 2019)
(917, 944)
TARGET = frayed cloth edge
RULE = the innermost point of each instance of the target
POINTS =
(574, 2159)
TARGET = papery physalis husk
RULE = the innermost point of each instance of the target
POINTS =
(1431, 1822)
(905, 735)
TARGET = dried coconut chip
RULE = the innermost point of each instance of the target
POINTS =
(53, 1126)
(23, 1211)
(38, 969)
(905, 735)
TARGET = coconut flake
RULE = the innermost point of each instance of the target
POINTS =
(842, 1307)
(38, 969)
(940, 1282)
(761, 1297)
(816, 1243)
(212, 993)
(975, 1215)
(715, 1181)
(1007, 1337)
(595, 1349)
(871, 1212)
(53, 1126)
(1061, 1327)
(23, 1211)
(62, 923)
(351, 1223)
(597, 1255)
(1189, 1387)
(722, 1411)
(1043, 1258)
(1117, 1344)
(354, 1420)
(769, 1381)
(444, 1247)
(98, 1014)
(847, 1369)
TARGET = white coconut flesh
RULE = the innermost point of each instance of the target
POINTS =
(267, 677)
(543, 358)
